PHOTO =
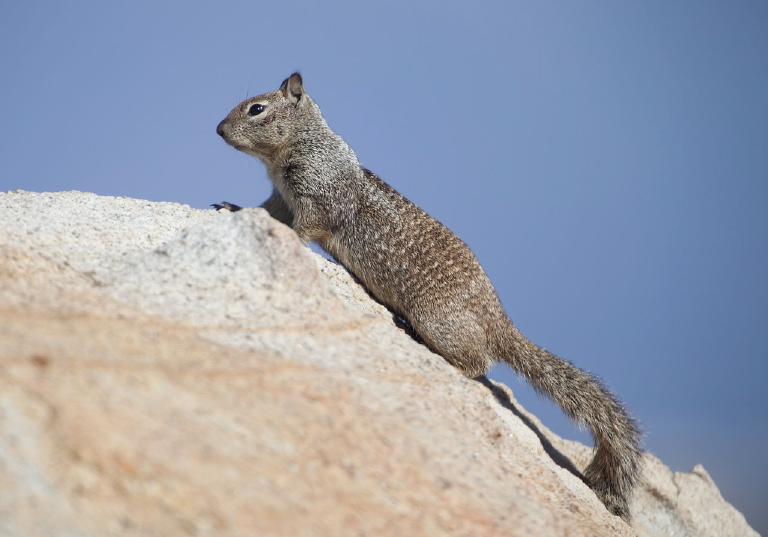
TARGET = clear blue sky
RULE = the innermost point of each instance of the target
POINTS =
(607, 162)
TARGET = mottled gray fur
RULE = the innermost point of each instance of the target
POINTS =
(419, 269)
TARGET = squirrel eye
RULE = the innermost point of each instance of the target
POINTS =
(256, 109)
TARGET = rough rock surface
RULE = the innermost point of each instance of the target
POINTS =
(172, 371)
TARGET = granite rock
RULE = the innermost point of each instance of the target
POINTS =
(172, 371)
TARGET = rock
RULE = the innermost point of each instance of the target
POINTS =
(172, 371)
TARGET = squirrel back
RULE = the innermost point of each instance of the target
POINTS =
(418, 268)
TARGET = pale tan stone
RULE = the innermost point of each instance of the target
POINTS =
(170, 371)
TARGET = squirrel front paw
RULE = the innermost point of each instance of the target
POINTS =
(231, 207)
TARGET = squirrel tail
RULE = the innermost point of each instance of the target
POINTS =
(615, 468)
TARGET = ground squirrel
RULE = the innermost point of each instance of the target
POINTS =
(417, 267)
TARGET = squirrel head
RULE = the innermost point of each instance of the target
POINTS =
(267, 125)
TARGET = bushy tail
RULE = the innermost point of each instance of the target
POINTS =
(615, 469)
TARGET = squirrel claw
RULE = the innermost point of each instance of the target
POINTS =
(231, 207)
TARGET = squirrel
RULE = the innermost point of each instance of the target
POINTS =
(419, 269)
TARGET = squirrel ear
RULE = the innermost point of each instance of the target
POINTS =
(293, 87)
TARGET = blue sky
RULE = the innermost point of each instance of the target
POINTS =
(606, 161)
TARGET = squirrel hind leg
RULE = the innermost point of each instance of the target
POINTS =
(466, 351)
